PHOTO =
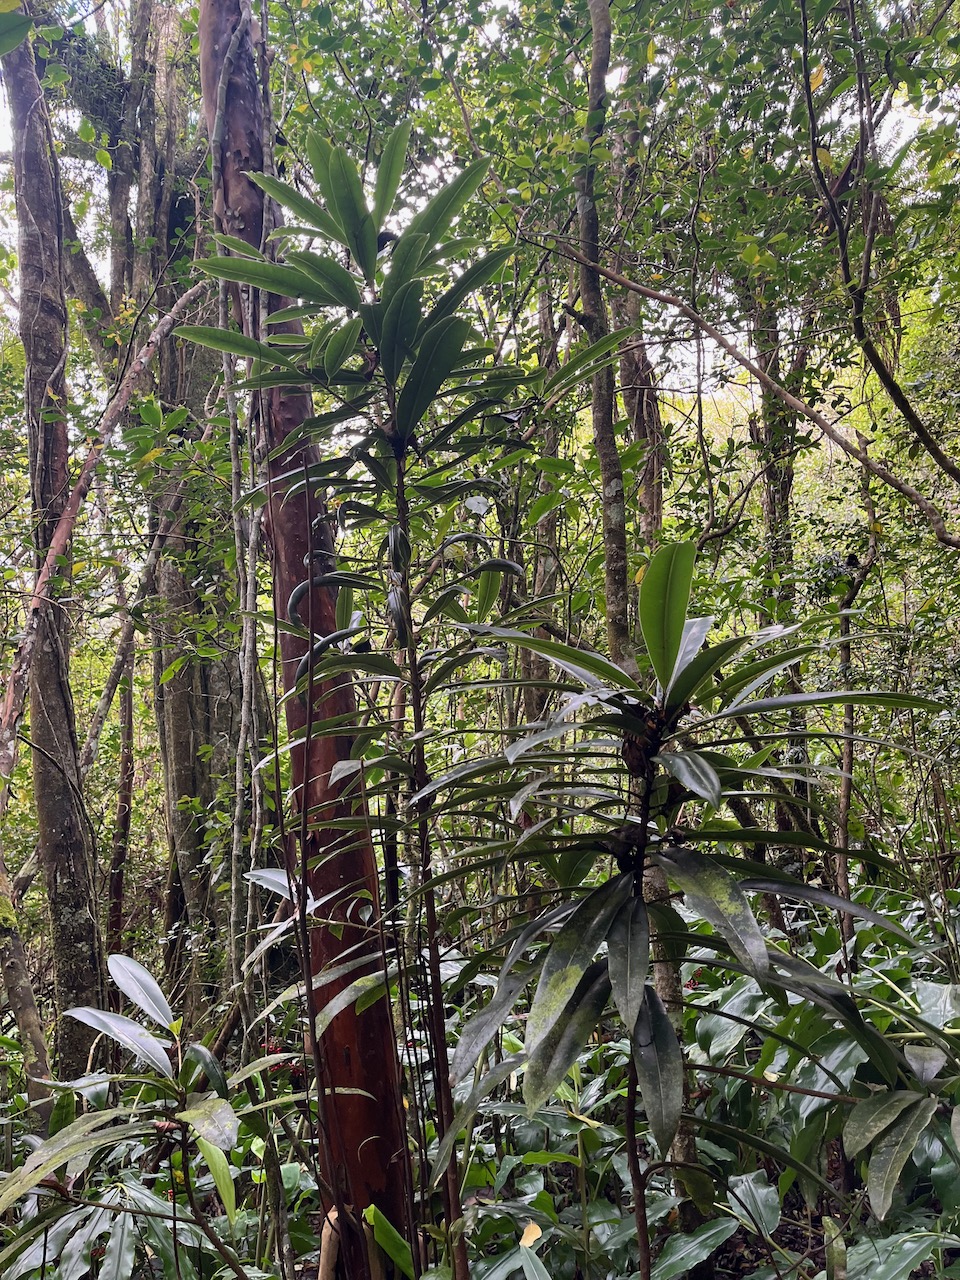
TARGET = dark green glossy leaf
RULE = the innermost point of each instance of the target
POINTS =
(557, 1049)
(892, 1152)
(480, 1030)
(485, 1085)
(682, 1253)
(401, 320)
(664, 596)
(118, 1257)
(659, 1063)
(571, 954)
(713, 892)
(791, 888)
(473, 278)
(628, 959)
(285, 282)
(585, 362)
(350, 208)
(235, 344)
(433, 221)
(435, 361)
(390, 1240)
(13, 30)
(870, 1118)
(583, 664)
(330, 275)
(208, 1062)
(694, 772)
(341, 347)
(316, 218)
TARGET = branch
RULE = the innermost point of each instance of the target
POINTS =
(928, 509)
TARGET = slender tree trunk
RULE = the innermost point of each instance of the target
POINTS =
(363, 1142)
(65, 845)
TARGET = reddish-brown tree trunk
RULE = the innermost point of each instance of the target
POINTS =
(363, 1141)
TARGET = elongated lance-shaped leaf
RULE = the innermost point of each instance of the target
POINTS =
(436, 360)
(586, 666)
(892, 1152)
(390, 1241)
(336, 279)
(695, 632)
(713, 892)
(350, 208)
(557, 1050)
(141, 988)
(341, 347)
(285, 282)
(791, 888)
(234, 344)
(694, 772)
(390, 171)
(473, 278)
(790, 701)
(466, 1111)
(870, 1118)
(664, 596)
(481, 1029)
(571, 954)
(118, 1258)
(401, 320)
(405, 265)
(659, 1062)
(753, 674)
(433, 221)
(628, 959)
(219, 1168)
(213, 1119)
(316, 218)
(585, 362)
(140, 1042)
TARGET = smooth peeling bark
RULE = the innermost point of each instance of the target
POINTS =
(365, 1145)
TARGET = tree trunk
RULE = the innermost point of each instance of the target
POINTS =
(65, 847)
(363, 1142)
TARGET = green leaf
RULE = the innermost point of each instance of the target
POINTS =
(719, 899)
(465, 1113)
(405, 265)
(557, 1049)
(401, 320)
(628, 959)
(118, 1258)
(435, 361)
(328, 273)
(214, 1120)
(235, 344)
(755, 1202)
(659, 1063)
(285, 282)
(390, 1240)
(571, 955)
(390, 171)
(433, 221)
(219, 1168)
(682, 1253)
(141, 988)
(13, 30)
(320, 154)
(350, 209)
(480, 1030)
(488, 589)
(533, 1268)
(473, 278)
(870, 1118)
(140, 1042)
(586, 666)
(789, 701)
(791, 888)
(311, 213)
(208, 1063)
(893, 1151)
(585, 362)
(664, 596)
(834, 1248)
(64, 1112)
(694, 772)
(360, 987)
(341, 347)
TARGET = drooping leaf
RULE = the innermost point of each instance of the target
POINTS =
(791, 888)
(435, 361)
(481, 1029)
(140, 1042)
(118, 1258)
(390, 1240)
(285, 282)
(533, 1268)
(585, 665)
(141, 988)
(360, 987)
(219, 1168)
(659, 1062)
(311, 213)
(209, 1065)
(330, 275)
(892, 1152)
(466, 1111)
(869, 1118)
(694, 772)
(390, 171)
(585, 362)
(628, 959)
(755, 1201)
(214, 1120)
(664, 596)
(557, 1049)
(895, 1257)
(716, 895)
(571, 955)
